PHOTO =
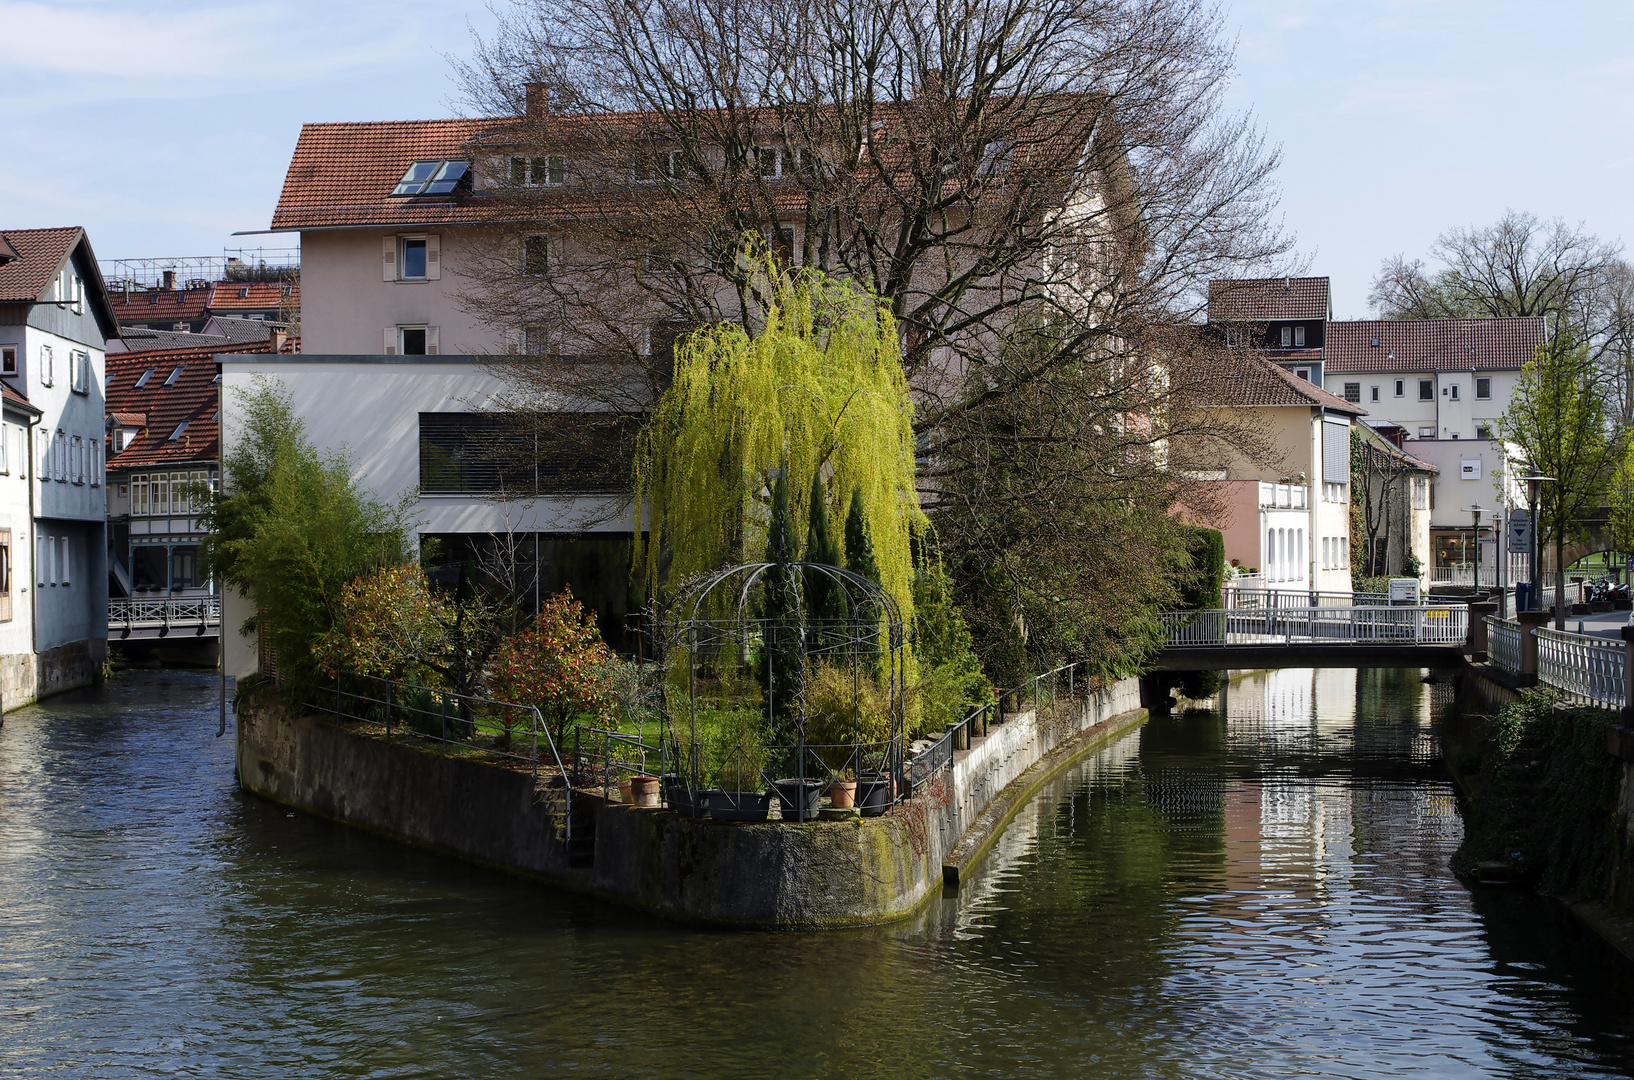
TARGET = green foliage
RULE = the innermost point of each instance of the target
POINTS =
(1203, 578)
(729, 747)
(781, 659)
(295, 529)
(819, 388)
(859, 545)
(825, 598)
(1360, 582)
(561, 666)
(843, 706)
(1547, 797)
(952, 682)
(1622, 500)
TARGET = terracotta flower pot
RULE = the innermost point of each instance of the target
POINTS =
(644, 790)
(842, 794)
(624, 795)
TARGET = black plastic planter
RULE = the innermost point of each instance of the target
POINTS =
(873, 797)
(736, 805)
(795, 804)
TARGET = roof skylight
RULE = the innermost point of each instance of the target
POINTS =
(431, 178)
(174, 375)
(174, 435)
(143, 381)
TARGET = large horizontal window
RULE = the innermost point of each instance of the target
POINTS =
(562, 453)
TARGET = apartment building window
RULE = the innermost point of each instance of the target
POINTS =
(658, 165)
(139, 495)
(47, 365)
(79, 371)
(1483, 431)
(1287, 337)
(8, 359)
(44, 548)
(1421, 493)
(1375, 393)
(62, 566)
(76, 461)
(471, 453)
(539, 171)
(1452, 391)
(159, 494)
(1483, 389)
(1426, 432)
(5, 575)
(536, 255)
(1401, 387)
(411, 258)
(184, 567)
(1426, 390)
(1353, 391)
(413, 340)
(768, 161)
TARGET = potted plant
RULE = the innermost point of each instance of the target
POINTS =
(842, 793)
(740, 750)
(644, 790)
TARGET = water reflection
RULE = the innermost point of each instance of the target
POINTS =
(1257, 891)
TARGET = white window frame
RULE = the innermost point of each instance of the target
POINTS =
(394, 339)
(1287, 337)
(139, 504)
(547, 170)
(1486, 396)
(1401, 387)
(1299, 337)
(1375, 392)
(8, 359)
(63, 567)
(76, 460)
(47, 366)
(1453, 391)
(79, 371)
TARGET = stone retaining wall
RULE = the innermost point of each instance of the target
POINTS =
(772, 874)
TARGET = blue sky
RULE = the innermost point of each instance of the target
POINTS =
(165, 129)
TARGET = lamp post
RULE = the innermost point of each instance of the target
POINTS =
(1534, 485)
(1475, 513)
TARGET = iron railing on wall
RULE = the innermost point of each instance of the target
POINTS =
(1503, 642)
(1587, 668)
(1036, 691)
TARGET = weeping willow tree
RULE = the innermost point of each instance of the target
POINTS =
(817, 395)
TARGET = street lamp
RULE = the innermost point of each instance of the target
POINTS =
(1475, 512)
(1534, 483)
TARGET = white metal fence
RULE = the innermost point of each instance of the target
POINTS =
(166, 611)
(1503, 642)
(1235, 598)
(1424, 624)
(1587, 668)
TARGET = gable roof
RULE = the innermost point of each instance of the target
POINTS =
(1244, 379)
(160, 305)
(39, 255)
(17, 400)
(342, 174)
(1433, 345)
(1252, 299)
(256, 295)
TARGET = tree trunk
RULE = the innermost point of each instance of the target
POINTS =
(1560, 579)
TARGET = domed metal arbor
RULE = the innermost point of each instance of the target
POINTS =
(763, 696)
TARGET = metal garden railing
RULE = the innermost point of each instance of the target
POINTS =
(601, 755)
(411, 711)
(1587, 668)
(1421, 624)
(1503, 642)
(1036, 691)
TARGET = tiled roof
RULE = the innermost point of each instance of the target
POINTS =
(129, 419)
(1242, 379)
(160, 305)
(140, 339)
(16, 397)
(252, 295)
(236, 329)
(1433, 345)
(341, 174)
(39, 253)
(1268, 298)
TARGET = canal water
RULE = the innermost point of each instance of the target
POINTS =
(1256, 891)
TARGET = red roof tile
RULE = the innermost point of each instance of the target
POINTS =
(1268, 298)
(161, 409)
(252, 295)
(16, 397)
(160, 305)
(1433, 345)
(40, 253)
(1245, 380)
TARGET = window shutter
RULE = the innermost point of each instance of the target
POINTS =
(388, 258)
(434, 262)
(433, 342)
(40, 543)
(1335, 453)
(391, 341)
(65, 560)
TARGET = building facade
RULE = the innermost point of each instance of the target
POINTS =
(55, 319)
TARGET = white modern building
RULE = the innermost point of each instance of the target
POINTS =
(54, 321)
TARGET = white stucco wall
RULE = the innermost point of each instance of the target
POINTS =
(1447, 415)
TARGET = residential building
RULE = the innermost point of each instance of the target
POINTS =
(1473, 474)
(189, 305)
(163, 444)
(1288, 523)
(55, 319)
(1285, 320)
(1393, 492)
(1437, 378)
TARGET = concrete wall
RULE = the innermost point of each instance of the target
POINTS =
(772, 874)
(1443, 416)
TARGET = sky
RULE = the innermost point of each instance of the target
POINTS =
(164, 130)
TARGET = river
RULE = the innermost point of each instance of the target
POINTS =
(1256, 891)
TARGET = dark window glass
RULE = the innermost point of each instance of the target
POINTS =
(536, 255)
(469, 453)
(414, 341)
(1483, 388)
(148, 568)
(1426, 390)
(184, 567)
(414, 258)
(1353, 391)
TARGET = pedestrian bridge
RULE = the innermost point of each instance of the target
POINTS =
(144, 619)
(1366, 635)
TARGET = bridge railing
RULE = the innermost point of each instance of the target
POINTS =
(1422, 624)
(1235, 597)
(164, 611)
(1588, 668)
(1503, 642)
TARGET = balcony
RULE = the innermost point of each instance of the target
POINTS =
(1284, 496)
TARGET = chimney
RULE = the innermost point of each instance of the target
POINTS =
(170, 279)
(538, 99)
(279, 338)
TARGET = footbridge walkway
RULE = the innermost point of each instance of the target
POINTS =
(1362, 635)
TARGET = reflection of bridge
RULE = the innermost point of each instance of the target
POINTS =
(1374, 635)
(169, 617)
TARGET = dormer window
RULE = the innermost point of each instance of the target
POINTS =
(1299, 337)
(243, 292)
(768, 161)
(431, 178)
(658, 165)
(995, 157)
(538, 171)
(1287, 337)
